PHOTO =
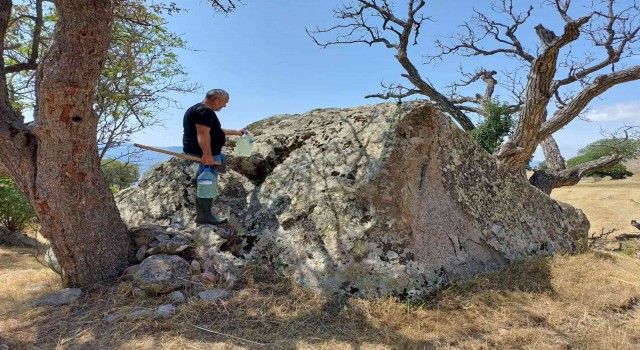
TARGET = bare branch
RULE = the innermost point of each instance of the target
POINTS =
(573, 108)
(359, 29)
(32, 62)
(470, 43)
(17, 144)
(615, 35)
(394, 91)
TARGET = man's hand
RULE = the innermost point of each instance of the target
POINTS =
(207, 159)
(231, 132)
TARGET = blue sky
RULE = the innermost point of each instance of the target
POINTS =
(262, 55)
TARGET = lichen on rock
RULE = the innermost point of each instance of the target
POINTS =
(374, 200)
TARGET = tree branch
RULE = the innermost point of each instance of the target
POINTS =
(17, 145)
(573, 108)
(358, 30)
(486, 26)
(32, 62)
(537, 96)
(546, 181)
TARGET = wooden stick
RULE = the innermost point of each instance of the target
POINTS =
(623, 281)
(178, 155)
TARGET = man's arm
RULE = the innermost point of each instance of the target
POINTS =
(230, 132)
(204, 140)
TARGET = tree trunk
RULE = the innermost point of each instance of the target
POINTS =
(62, 177)
(552, 156)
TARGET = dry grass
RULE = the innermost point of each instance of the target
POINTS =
(588, 301)
(609, 204)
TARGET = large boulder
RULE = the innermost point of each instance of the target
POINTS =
(373, 200)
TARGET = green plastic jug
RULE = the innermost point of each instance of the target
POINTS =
(207, 184)
(244, 145)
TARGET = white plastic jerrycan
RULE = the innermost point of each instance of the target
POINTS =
(244, 145)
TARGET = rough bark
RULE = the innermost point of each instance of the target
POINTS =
(55, 161)
(537, 95)
(552, 155)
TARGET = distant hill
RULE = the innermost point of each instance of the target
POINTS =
(147, 158)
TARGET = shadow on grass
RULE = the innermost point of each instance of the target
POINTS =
(267, 313)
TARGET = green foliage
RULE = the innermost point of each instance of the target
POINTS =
(497, 124)
(15, 210)
(628, 149)
(119, 175)
(140, 72)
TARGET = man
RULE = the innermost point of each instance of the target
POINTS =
(204, 137)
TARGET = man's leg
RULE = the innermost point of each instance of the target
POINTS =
(203, 206)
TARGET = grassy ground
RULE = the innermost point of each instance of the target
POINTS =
(588, 301)
(609, 204)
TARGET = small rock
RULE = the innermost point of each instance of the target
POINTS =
(165, 311)
(172, 229)
(163, 237)
(52, 262)
(114, 317)
(208, 278)
(228, 267)
(173, 246)
(196, 267)
(127, 275)
(208, 266)
(61, 297)
(614, 246)
(141, 253)
(138, 314)
(143, 235)
(214, 294)
(162, 273)
(208, 237)
(176, 297)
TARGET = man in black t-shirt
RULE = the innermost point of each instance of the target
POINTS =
(204, 137)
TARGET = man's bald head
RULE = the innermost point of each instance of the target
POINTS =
(217, 99)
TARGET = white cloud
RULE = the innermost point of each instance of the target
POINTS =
(628, 111)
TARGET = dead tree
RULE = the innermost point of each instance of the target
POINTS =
(549, 73)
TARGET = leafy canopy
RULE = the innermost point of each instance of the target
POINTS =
(141, 69)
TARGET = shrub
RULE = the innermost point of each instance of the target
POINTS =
(15, 210)
(119, 175)
(497, 124)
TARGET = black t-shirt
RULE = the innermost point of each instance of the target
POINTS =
(201, 114)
